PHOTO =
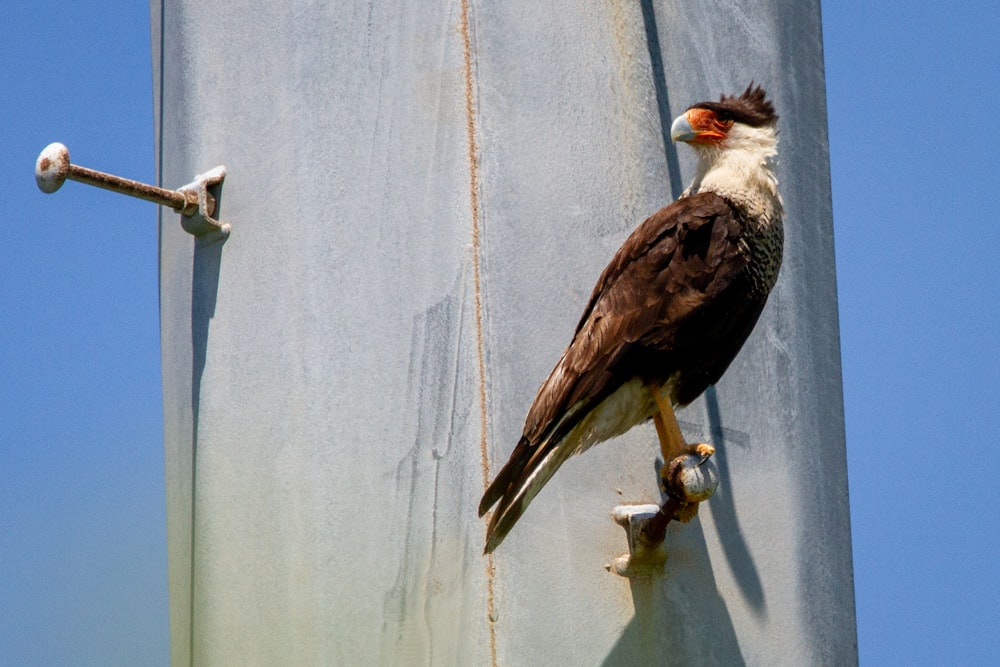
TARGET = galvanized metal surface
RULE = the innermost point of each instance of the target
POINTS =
(338, 373)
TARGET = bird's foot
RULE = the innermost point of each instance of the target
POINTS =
(691, 478)
(688, 480)
(702, 449)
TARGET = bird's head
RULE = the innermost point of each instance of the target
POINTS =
(736, 141)
(711, 124)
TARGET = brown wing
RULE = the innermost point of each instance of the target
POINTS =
(668, 270)
(643, 313)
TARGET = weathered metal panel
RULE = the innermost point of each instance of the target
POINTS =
(329, 369)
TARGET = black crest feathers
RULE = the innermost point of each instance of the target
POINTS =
(751, 108)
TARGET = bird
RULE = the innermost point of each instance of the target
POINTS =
(668, 314)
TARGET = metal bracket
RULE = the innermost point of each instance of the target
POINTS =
(201, 223)
(645, 557)
(196, 202)
(688, 479)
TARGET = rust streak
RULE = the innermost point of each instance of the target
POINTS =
(470, 120)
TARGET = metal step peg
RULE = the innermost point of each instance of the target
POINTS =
(194, 201)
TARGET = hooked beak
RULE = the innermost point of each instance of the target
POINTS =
(681, 130)
(699, 126)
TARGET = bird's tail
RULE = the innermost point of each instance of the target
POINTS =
(517, 484)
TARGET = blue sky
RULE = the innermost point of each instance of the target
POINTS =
(913, 89)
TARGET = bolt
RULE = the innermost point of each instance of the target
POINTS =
(53, 168)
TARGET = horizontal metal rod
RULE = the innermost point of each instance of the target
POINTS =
(53, 168)
(184, 201)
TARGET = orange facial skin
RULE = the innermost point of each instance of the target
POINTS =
(708, 127)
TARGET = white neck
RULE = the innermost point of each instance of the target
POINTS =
(741, 169)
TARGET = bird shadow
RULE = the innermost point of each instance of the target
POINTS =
(680, 617)
(662, 96)
(723, 508)
(727, 526)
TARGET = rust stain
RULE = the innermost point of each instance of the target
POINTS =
(470, 120)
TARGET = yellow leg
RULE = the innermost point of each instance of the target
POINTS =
(672, 445)
(671, 439)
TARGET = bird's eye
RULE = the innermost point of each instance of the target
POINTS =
(723, 117)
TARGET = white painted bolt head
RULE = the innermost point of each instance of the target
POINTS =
(692, 478)
(51, 167)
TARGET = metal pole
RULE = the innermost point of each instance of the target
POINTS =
(424, 195)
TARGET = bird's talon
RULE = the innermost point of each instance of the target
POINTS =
(703, 449)
(692, 477)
